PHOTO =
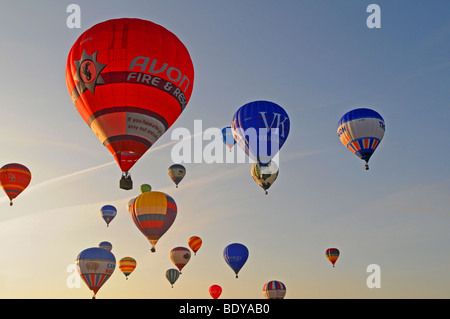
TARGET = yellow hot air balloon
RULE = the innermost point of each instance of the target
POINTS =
(127, 265)
(153, 213)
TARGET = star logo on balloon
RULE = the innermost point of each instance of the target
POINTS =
(88, 72)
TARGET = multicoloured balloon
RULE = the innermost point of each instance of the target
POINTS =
(332, 255)
(129, 79)
(215, 291)
(235, 256)
(14, 178)
(195, 243)
(274, 290)
(227, 136)
(153, 213)
(108, 213)
(180, 256)
(127, 265)
(105, 245)
(177, 173)
(265, 175)
(172, 275)
(95, 265)
(260, 128)
(361, 130)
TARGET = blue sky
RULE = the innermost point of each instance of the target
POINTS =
(317, 60)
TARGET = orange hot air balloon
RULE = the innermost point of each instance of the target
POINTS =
(129, 79)
(14, 179)
(332, 255)
(195, 243)
(127, 265)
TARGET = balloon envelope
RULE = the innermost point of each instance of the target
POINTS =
(180, 256)
(260, 128)
(172, 275)
(215, 291)
(127, 265)
(14, 178)
(177, 173)
(195, 243)
(264, 175)
(153, 213)
(228, 138)
(146, 188)
(108, 213)
(361, 131)
(332, 255)
(274, 290)
(235, 256)
(105, 245)
(95, 265)
(129, 79)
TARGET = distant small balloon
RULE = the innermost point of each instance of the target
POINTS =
(108, 213)
(146, 188)
(332, 255)
(127, 265)
(105, 245)
(172, 275)
(215, 291)
(235, 256)
(180, 256)
(14, 178)
(274, 290)
(195, 243)
(177, 173)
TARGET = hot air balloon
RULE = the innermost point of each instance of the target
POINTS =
(172, 275)
(260, 128)
(176, 173)
(264, 175)
(180, 256)
(129, 79)
(14, 178)
(361, 130)
(105, 245)
(227, 136)
(95, 265)
(195, 243)
(127, 265)
(274, 290)
(153, 213)
(332, 254)
(146, 188)
(215, 291)
(235, 256)
(108, 213)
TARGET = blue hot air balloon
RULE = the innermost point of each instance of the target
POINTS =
(108, 213)
(235, 256)
(228, 138)
(361, 130)
(260, 128)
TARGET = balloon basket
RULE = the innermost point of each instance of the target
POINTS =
(126, 183)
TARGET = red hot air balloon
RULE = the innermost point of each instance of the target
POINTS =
(215, 291)
(14, 179)
(129, 79)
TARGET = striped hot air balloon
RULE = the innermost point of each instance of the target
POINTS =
(274, 290)
(172, 275)
(95, 265)
(14, 178)
(153, 213)
(195, 243)
(332, 255)
(127, 265)
(180, 256)
(105, 245)
(361, 131)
